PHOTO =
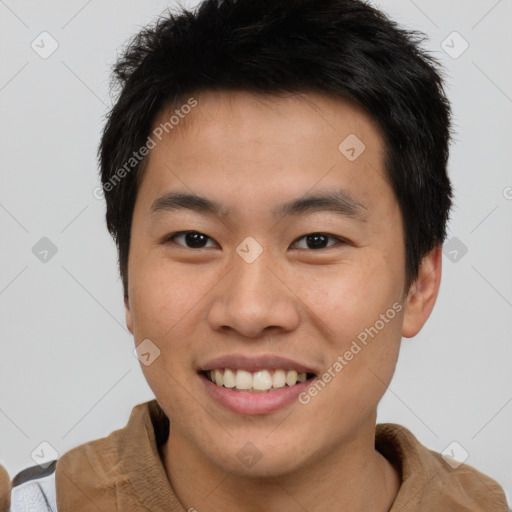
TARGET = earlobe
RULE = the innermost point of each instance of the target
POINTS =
(128, 314)
(423, 293)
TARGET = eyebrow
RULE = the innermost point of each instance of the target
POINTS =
(340, 202)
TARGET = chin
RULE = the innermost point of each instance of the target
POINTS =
(264, 463)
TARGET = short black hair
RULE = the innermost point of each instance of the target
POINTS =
(341, 48)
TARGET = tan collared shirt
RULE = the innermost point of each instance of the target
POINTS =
(124, 472)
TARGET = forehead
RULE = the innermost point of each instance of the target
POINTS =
(245, 115)
(250, 143)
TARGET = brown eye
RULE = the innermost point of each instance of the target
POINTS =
(317, 241)
(191, 239)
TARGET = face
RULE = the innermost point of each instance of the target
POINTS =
(293, 261)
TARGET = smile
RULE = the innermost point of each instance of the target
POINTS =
(261, 381)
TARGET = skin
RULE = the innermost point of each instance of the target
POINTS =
(251, 153)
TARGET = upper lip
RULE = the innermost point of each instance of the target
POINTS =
(254, 363)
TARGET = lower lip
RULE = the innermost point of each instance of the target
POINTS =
(254, 403)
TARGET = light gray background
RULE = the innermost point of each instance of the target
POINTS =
(67, 371)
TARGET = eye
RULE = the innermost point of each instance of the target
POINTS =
(192, 239)
(318, 240)
(197, 240)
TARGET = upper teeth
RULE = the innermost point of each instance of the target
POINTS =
(261, 381)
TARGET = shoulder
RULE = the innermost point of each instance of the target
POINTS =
(102, 457)
(86, 466)
(33, 489)
(86, 474)
(434, 480)
(99, 473)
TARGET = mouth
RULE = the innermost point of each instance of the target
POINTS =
(261, 381)
(250, 385)
(255, 384)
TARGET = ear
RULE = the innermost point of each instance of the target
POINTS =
(423, 293)
(128, 314)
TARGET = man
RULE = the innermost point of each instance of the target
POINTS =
(275, 179)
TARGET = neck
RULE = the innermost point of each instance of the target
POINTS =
(353, 477)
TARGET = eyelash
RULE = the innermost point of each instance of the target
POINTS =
(341, 241)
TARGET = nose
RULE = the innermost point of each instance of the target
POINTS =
(254, 300)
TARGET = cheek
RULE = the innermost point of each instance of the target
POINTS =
(162, 295)
(359, 312)
(351, 297)
(165, 301)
